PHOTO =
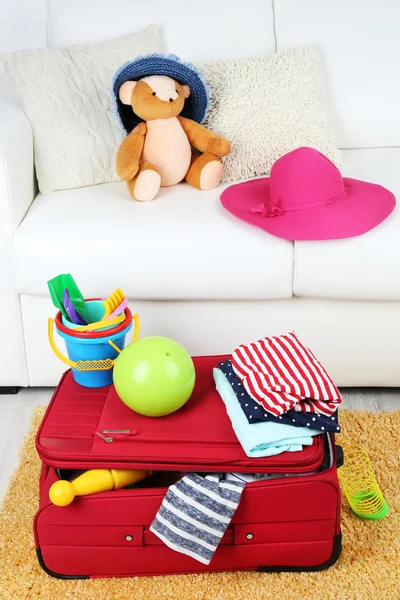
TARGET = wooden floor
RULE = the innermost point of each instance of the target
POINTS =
(16, 410)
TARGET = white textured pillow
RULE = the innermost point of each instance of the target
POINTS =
(267, 106)
(66, 96)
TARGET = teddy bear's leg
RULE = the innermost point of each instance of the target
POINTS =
(145, 185)
(205, 172)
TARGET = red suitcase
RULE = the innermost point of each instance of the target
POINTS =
(290, 523)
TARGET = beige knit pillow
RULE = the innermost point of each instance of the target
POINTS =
(267, 106)
(66, 96)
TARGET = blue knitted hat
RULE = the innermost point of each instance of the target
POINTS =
(196, 106)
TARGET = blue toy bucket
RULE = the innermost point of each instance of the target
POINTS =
(90, 355)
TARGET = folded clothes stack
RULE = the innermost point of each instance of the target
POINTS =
(277, 395)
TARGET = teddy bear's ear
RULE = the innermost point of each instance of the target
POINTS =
(186, 90)
(125, 92)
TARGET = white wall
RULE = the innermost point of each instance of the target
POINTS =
(22, 24)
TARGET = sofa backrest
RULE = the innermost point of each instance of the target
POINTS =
(359, 43)
(195, 30)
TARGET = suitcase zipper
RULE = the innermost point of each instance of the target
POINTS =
(106, 462)
(117, 434)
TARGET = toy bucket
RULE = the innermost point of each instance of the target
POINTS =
(90, 353)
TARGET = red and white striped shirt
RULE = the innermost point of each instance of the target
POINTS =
(282, 374)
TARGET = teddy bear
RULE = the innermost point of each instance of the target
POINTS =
(164, 147)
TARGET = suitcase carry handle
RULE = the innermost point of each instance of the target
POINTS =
(88, 365)
(339, 456)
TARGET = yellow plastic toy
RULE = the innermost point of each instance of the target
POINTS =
(101, 324)
(359, 484)
(113, 302)
(94, 481)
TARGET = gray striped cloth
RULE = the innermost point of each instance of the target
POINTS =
(195, 513)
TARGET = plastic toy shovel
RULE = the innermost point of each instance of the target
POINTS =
(57, 286)
(73, 314)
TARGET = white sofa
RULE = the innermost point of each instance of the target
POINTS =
(192, 271)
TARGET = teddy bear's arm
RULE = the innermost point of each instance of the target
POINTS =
(203, 139)
(129, 153)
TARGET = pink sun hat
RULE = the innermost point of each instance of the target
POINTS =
(306, 198)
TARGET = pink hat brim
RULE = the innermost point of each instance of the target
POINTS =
(364, 206)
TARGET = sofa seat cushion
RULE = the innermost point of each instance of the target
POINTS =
(359, 268)
(182, 245)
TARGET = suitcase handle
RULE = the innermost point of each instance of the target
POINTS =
(339, 456)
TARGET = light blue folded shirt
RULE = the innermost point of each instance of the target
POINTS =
(264, 438)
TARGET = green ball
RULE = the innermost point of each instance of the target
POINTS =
(154, 376)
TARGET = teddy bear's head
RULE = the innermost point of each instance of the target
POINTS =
(154, 97)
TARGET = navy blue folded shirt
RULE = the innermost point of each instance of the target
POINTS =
(255, 412)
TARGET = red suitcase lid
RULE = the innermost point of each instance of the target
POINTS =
(198, 437)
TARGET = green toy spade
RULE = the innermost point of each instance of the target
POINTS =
(57, 286)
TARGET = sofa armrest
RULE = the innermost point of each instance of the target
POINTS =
(17, 191)
(17, 173)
